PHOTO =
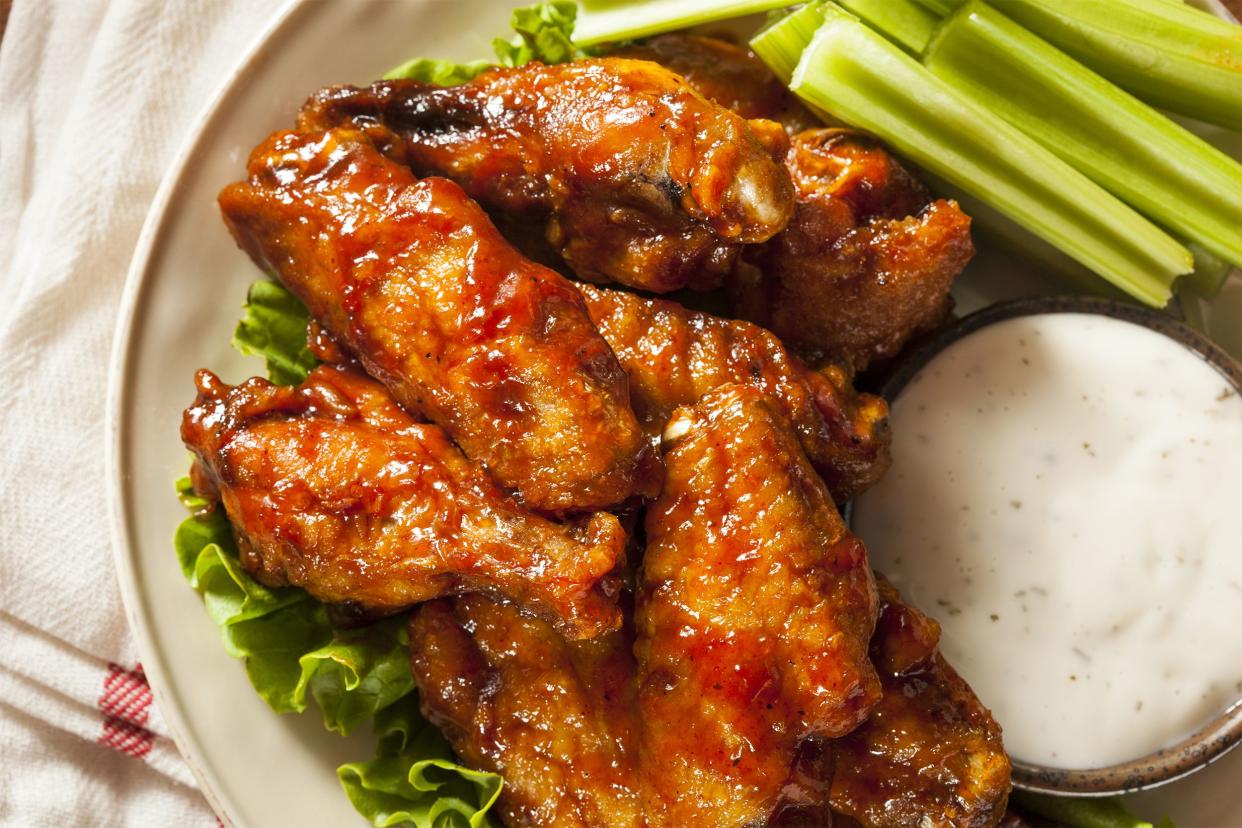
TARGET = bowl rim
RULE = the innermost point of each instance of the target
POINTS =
(1223, 732)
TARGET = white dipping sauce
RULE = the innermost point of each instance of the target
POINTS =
(1065, 498)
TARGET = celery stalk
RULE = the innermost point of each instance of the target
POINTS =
(945, 7)
(941, 7)
(1079, 813)
(860, 77)
(1156, 166)
(1171, 55)
(780, 44)
(607, 20)
(989, 225)
(1206, 281)
(904, 22)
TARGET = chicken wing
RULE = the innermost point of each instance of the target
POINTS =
(868, 259)
(332, 487)
(639, 179)
(726, 73)
(674, 355)
(556, 718)
(413, 279)
(930, 754)
(754, 611)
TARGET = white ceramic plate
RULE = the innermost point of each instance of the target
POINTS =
(181, 303)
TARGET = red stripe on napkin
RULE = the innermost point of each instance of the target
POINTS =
(126, 704)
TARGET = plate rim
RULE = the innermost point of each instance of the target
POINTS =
(116, 417)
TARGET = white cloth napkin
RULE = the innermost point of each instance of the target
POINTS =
(95, 97)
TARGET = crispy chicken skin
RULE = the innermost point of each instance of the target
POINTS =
(754, 611)
(931, 753)
(332, 487)
(637, 178)
(413, 279)
(556, 718)
(674, 355)
(726, 73)
(868, 259)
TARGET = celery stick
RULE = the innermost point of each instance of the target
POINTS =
(1156, 166)
(860, 77)
(904, 22)
(990, 226)
(1079, 813)
(606, 20)
(780, 44)
(1173, 56)
(941, 7)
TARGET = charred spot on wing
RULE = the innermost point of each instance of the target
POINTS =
(672, 190)
(429, 113)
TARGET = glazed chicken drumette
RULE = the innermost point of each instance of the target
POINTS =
(867, 261)
(632, 175)
(332, 487)
(755, 606)
(930, 752)
(556, 718)
(413, 280)
(729, 74)
(674, 355)
(868, 258)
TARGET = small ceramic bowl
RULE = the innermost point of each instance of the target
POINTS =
(1221, 734)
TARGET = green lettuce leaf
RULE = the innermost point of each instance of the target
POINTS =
(284, 635)
(273, 645)
(1083, 813)
(269, 628)
(438, 72)
(209, 526)
(230, 596)
(274, 327)
(414, 778)
(544, 33)
(359, 673)
(290, 647)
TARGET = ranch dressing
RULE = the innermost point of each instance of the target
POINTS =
(1065, 499)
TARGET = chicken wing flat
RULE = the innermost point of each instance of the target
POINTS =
(726, 73)
(868, 259)
(557, 719)
(332, 487)
(754, 612)
(637, 178)
(930, 754)
(674, 355)
(413, 279)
